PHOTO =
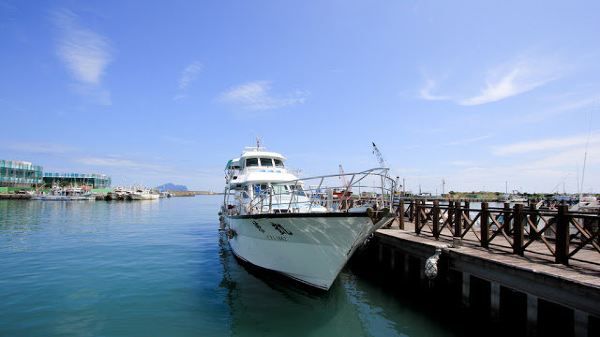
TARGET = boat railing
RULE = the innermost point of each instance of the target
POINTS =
(344, 192)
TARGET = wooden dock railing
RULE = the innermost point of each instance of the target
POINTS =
(559, 232)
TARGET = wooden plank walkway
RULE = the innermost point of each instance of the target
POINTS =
(583, 268)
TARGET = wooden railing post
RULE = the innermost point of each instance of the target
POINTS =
(534, 220)
(401, 217)
(435, 218)
(417, 217)
(411, 212)
(450, 214)
(484, 225)
(457, 239)
(562, 235)
(467, 213)
(506, 218)
(518, 229)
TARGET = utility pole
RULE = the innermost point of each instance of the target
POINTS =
(443, 186)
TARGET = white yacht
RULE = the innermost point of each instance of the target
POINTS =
(141, 193)
(297, 227)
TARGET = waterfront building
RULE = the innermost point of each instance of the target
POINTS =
(96, 181)
(19, 174)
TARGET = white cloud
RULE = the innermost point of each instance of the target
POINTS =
(39, 148)
(178, 140)
(256, 96)
(426, 92)
(559, 108)
(568, 158)
(85, 53)
(106, 161)
(546, 144)
(461, 163)
(114, 161)
(179, 97)
(515, 78)
(189, 74)
(468, 140)
(94, 93)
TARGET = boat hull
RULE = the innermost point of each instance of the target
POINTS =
(63, 198)
(144, 196)
(310, 248)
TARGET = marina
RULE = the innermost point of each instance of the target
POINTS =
(415, 168)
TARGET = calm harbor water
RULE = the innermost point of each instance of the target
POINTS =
(161, 268)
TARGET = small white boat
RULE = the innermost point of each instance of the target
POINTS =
(65, 194)
(586, 204)
(141, 193)
(274, 221)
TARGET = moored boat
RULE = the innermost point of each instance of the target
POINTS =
(141, 193)
(65, 194)
(274, 221)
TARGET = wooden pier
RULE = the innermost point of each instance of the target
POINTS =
(547, 259)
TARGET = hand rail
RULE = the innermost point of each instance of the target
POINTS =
(380, 195)
(562, 233)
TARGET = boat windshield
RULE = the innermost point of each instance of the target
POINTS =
(278, 163)
(266, 162)
(251, 162)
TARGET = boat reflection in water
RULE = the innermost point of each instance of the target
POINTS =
(270, 304)
(263, 303)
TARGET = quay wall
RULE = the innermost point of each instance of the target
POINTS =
(498, 295)
(14, 196)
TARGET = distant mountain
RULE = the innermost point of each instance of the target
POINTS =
(172, 187)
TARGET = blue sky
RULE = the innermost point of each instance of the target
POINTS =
(476, 93)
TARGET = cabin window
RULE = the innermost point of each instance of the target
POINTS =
(251, 162)
(278, 163)
(280, 189)
(260, 188)
(266, 162)
(298, 190)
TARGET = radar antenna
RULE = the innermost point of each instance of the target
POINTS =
(258, 142)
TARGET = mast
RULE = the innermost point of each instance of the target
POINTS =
(443, 185)
(587, 143)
